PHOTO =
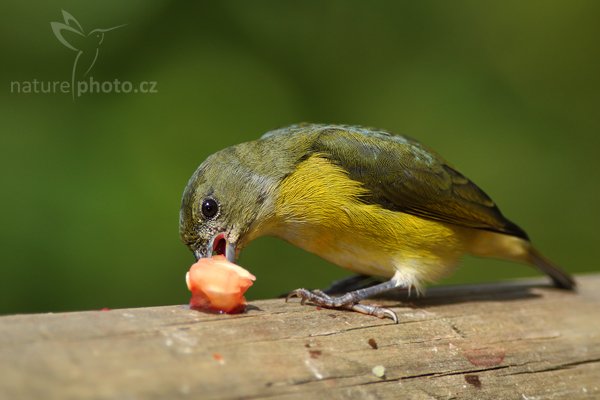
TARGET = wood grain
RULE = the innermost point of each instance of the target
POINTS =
(518, 340)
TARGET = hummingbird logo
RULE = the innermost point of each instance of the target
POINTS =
(86, 45)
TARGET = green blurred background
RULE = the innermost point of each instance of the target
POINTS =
(507, 91)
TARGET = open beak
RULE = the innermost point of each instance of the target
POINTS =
(218, 245)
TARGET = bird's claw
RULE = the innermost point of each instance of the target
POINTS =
(320, 298)
(302, 294)
(377, 311)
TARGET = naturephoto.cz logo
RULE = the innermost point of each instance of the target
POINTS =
(87, 49)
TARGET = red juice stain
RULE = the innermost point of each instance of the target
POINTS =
(485, 357)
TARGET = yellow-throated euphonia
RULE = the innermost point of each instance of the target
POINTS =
(376, 203)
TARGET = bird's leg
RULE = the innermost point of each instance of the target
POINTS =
(349, 301)
(347, 284)
(351, 283)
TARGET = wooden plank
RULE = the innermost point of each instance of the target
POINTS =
(520, 340)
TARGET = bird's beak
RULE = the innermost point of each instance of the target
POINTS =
(110, 29)
(218, 245)
(230, 252)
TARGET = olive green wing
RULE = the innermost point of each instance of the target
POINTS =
(403, 175)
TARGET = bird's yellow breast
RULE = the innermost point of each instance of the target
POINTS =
(319, 208)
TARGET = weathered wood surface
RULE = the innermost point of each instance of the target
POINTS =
(521, 340)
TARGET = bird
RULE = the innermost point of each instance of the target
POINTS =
(365, 199)
(87, 46)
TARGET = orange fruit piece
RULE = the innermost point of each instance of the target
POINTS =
(218, 285)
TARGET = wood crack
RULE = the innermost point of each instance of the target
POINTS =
(438, 374)
(557, 367)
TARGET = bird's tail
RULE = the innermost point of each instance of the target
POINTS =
(497, 245)
(560, 278)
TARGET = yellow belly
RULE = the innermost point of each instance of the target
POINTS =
(318, 209)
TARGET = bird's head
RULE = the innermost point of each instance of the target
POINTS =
(97, 35)
(225, 204)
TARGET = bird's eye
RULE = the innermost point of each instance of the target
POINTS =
(209, 208)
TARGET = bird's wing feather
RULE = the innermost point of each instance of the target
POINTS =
(403, 175)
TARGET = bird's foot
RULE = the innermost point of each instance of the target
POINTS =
(345, 302)
(351, 283)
